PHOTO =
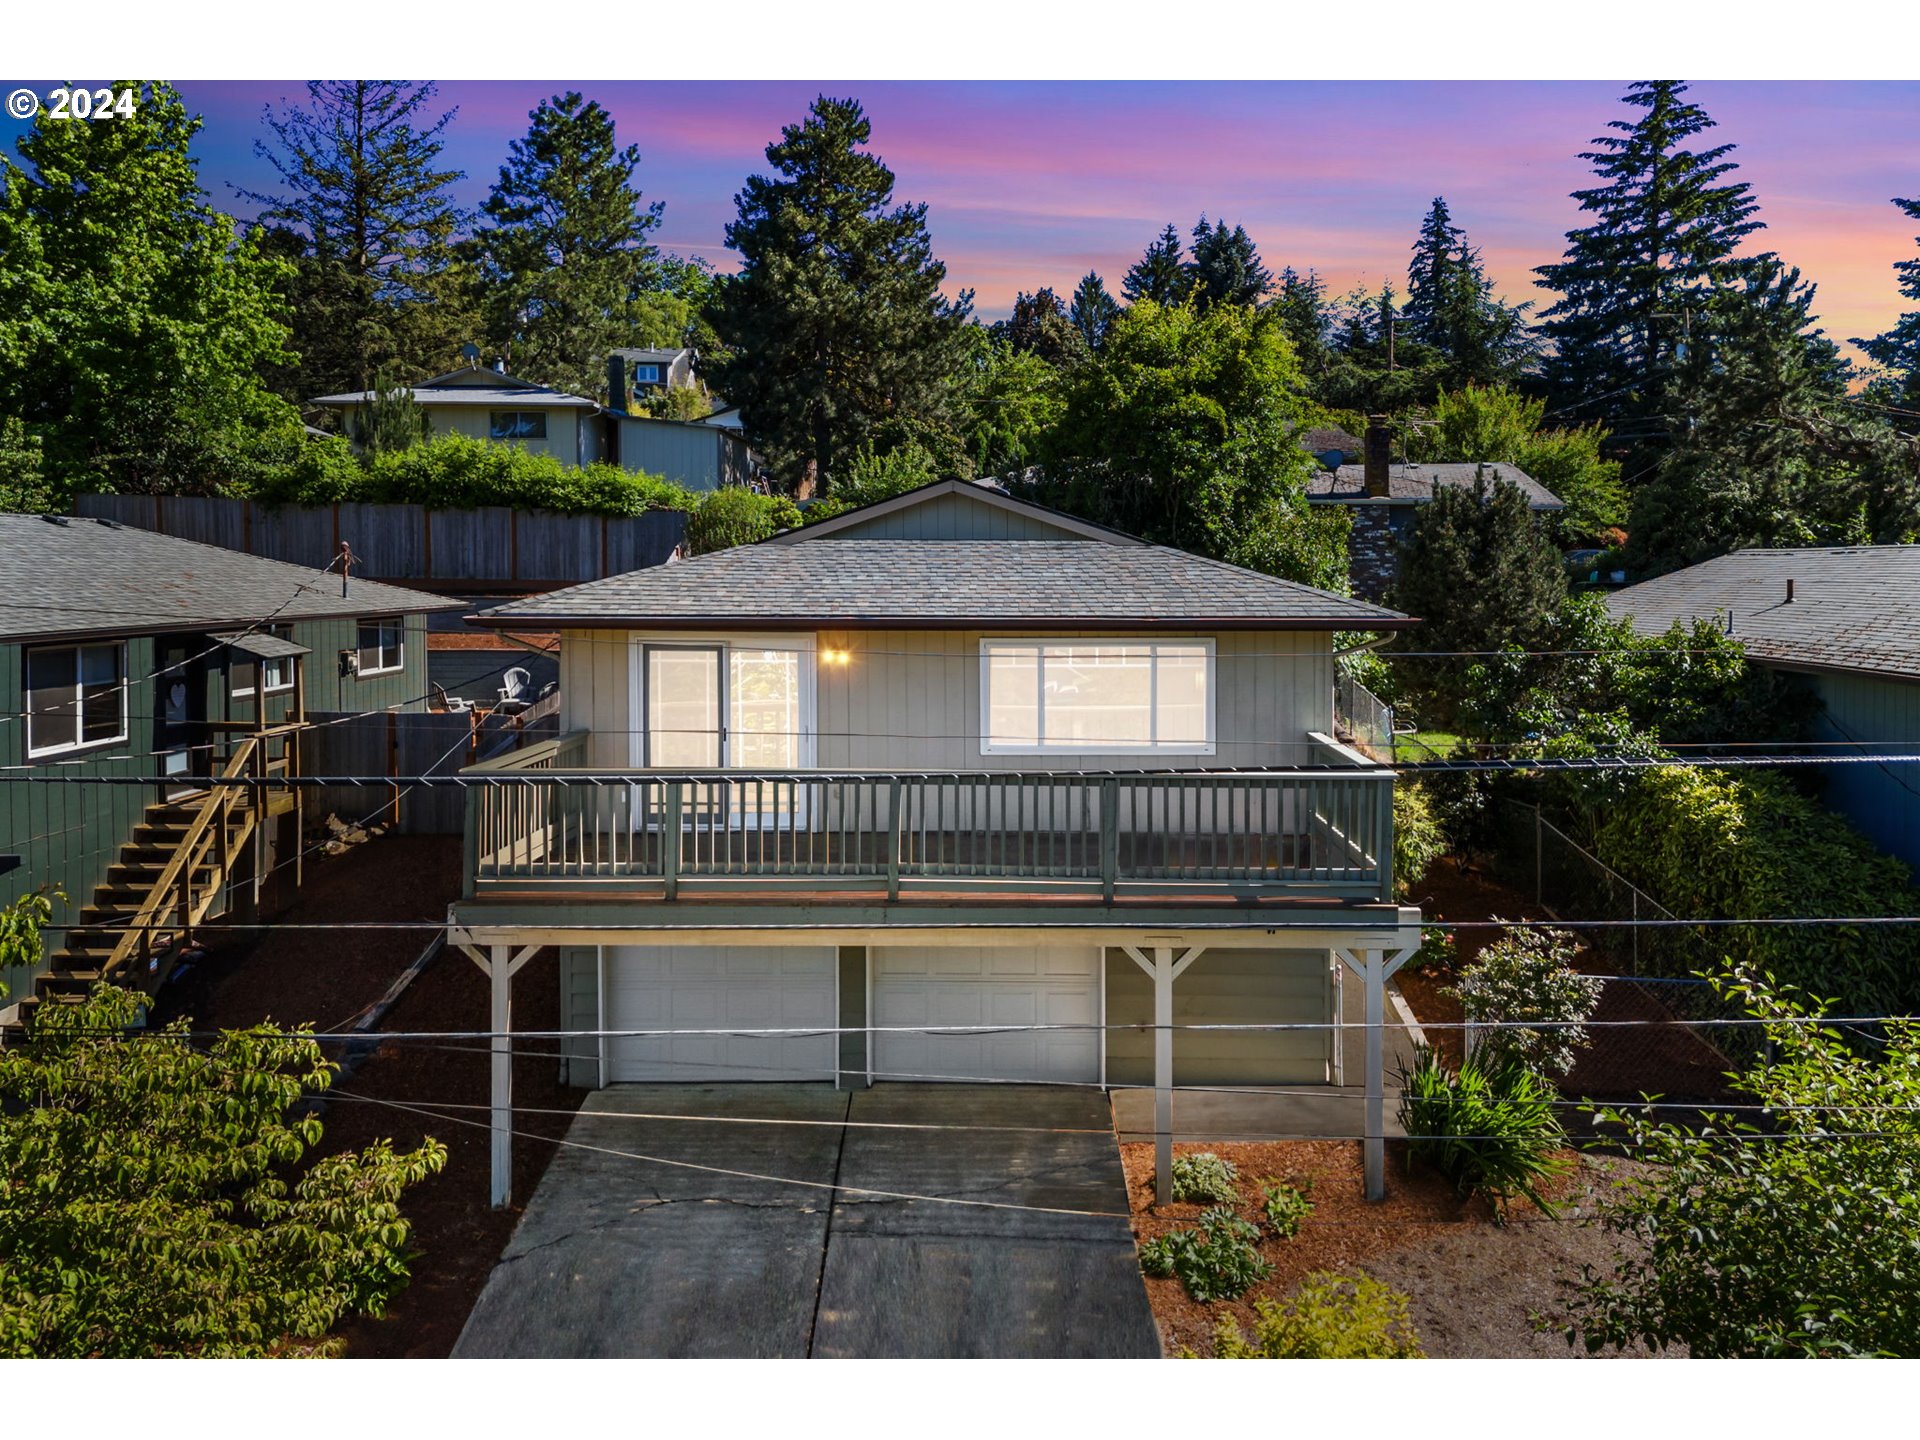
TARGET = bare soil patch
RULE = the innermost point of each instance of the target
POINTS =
(1474, 1284)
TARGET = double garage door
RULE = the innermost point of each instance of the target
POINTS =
(721, 989)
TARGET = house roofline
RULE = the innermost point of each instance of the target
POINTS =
(734, 620)
(906, 499)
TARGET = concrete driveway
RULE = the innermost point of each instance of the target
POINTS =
(621, 1256)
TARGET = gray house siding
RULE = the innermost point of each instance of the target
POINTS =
(952, 517)
(700, 457)
(1882, 800)
(580, 1010)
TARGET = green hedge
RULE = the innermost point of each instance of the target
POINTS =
(1743, 845)
(454, 472)
(735, 516)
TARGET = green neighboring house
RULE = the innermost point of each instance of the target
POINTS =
(128, 653)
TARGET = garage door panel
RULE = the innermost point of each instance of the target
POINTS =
(696, 987)
(987, 986)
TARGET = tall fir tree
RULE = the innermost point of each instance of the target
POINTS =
(366, 214)
(1160, 274)
(1898, 349)
(134, 321)
(566, 250)
(1451, 307)
(1301, 305)
(1666, 223)
(1039, 325)
(1226, 268)
(836, 315)
(1092, 310)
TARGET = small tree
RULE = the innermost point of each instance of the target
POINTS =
(389, 420)
(737, 516)
(1793, 1234)
(146, 1200)
(1528, 976)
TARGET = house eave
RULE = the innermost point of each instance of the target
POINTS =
(734, 620)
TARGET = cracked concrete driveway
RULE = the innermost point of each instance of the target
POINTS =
(622, 1256)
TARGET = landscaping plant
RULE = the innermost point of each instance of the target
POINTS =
(1217, 1260)
(1205, 1179)
(156, 1197)
(1796, 1235)
(1330, 1317)
(1284, 1207)
(1417, 838)
(1490, 1127)
(1527, 976)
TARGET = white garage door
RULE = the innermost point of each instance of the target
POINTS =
(987, 985)
(714, 987)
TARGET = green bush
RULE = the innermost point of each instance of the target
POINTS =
(1330, 1317)
(1417, 837)
(1205, 1179)
(1284, 1207)
(737, 516)
(1707, 842)
(1489, 1128)
(1528, 975)
(1218, 1260)
(1436, 950)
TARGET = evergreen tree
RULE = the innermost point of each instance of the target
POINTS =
(1092, 310)
(1040, 326)
(836, 314)
(1666, 223)
(1226, 267)
(134, 323)
(1373, 362)
(390, 420)
(1481, 575)
(1451, 307)
(1302, 307)
(367, 216)
(566, 251)
(1899, 348)
(1161, 274)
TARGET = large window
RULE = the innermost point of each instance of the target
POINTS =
(76, 697)
(383, 646)
(1146, 697)
(517, 424)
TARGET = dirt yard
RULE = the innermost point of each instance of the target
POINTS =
(1475, 1285)
(327, 978)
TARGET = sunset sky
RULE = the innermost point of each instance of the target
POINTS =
(1032, 184)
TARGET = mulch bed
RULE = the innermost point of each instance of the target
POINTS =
(1475, 1285)
(326, 978)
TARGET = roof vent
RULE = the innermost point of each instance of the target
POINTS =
(1789, 592)
(54, 519)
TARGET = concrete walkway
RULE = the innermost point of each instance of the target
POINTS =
(619, 1255)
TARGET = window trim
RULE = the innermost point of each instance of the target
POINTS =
(81, 743)
(654, 378)
(990, 642)
(400, 650)
(493, 426)
(284, 632)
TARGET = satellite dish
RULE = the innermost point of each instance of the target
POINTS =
(470, 353)
(1332, 459)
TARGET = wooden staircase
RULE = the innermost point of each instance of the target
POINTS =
(169, 877)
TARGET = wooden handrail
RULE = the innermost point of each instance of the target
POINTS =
(528, 757)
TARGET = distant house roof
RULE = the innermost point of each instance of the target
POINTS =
(80, 577)
(652, 356)
(1415, 484)
(1853, 608)
(475, 385)
(1329, 437)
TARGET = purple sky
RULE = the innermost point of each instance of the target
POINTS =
(1033, 184)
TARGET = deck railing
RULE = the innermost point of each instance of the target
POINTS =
(543, 821)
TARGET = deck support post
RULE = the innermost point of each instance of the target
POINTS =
(1163, 969)
(500, 964)
(1375, 968)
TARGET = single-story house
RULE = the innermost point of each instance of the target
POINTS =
(493, 405)
(1845, 618)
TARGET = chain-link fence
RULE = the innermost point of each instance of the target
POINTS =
(1361, 718)
(1662, 1026)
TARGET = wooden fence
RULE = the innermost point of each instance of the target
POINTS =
(489, 548)
(395, 743)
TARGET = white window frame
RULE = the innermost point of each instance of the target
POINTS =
(284, 632)
(80, 742)
(647, 374)
(804, 644)
(989, 644)
(400, 650)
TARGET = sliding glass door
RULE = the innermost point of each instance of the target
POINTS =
(729, 707)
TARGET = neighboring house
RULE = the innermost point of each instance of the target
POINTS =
(1331, 445)
(1847, 620)
(125, 653)
(636, 374)
(1385, 497)
(699, 454)
(951, 759)
(488, 404)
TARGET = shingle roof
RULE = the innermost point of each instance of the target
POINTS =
(511, 397)
(94, 577)
(1052, 584)
(1323, 438)
(1854, 608)
(1411, 484)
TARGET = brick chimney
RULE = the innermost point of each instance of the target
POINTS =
(1379, 451)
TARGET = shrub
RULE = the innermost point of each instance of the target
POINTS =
(1436, 950)
(1205, 1179)
(737, 516)
(1528, 975)
(1215, 1261)
(1284, 1207)
(1330, 1317)
(1417, 838)
(1488, 1128)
